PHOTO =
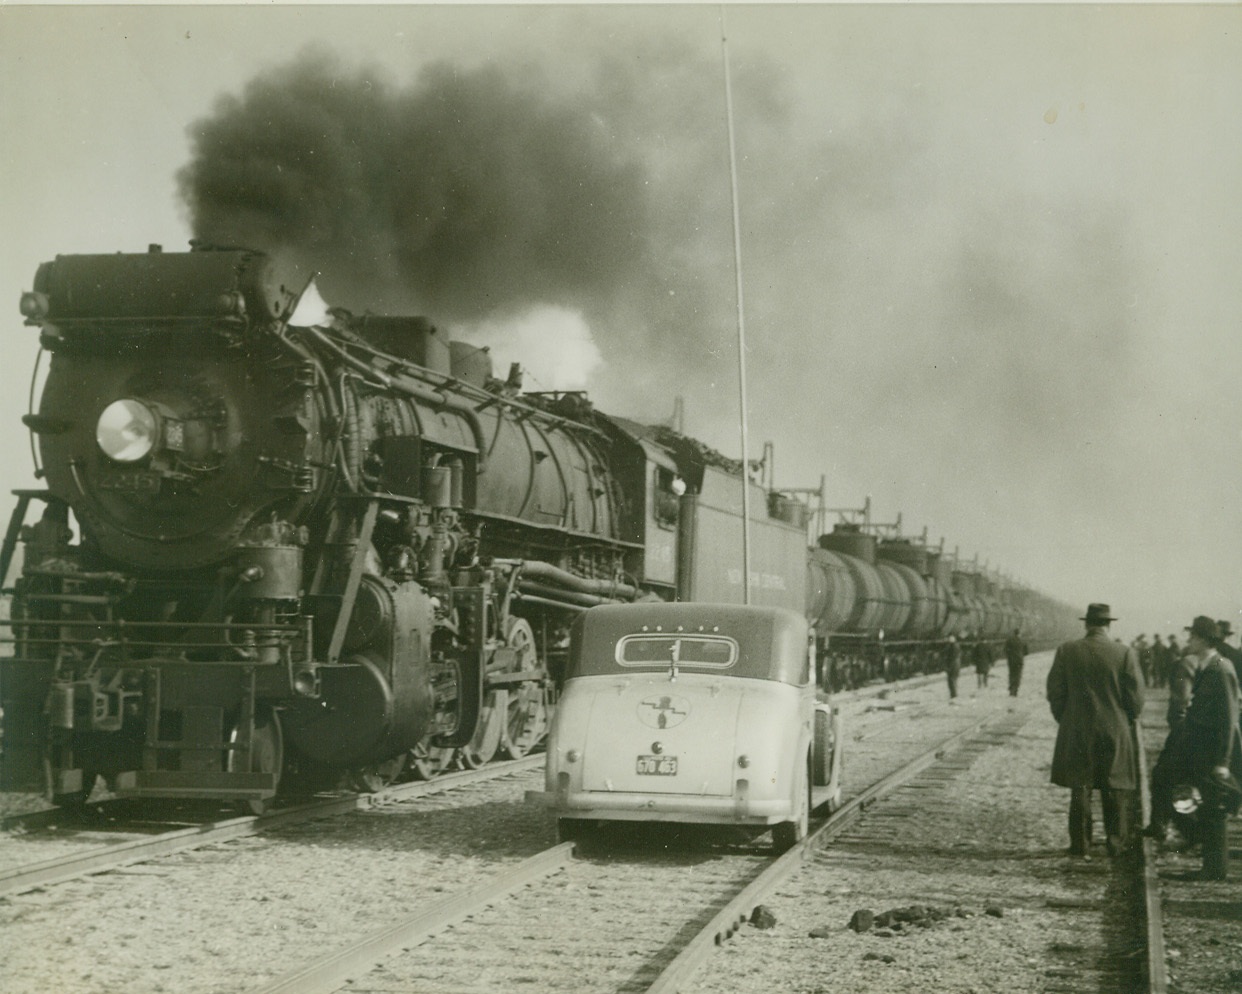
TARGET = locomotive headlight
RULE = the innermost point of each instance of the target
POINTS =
(127, 430)
(34, 305)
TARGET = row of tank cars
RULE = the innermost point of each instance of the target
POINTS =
(279, 544)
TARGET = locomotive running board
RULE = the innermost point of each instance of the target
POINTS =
(196, 783)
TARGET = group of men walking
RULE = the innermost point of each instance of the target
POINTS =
(1095, 689)
(982, 654)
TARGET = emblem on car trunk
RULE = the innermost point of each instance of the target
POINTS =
(663, 710)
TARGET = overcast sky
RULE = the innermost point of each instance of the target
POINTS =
(992, 255)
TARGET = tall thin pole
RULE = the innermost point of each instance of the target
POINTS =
(741, 319)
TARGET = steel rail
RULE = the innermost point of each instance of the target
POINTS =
(731, 917)
(138, 850)
(335, 970)
(1157, 962)
(331, 972)
(104, 858)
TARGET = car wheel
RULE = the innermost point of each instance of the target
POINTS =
(821, 750)
(788, 834)
(572, 829)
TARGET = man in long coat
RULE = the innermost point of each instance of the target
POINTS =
(1203, 751)
(1095, 690)
(1015, 657)
(952, 664)
(983, 661)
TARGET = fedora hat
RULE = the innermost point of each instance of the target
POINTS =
(1225, 629)
(1202, 626)
(1098, 614)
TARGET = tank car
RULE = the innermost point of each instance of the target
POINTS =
(885, 605)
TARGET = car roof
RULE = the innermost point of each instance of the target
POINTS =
(771, 641)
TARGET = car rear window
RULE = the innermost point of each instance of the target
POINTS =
(707, 651)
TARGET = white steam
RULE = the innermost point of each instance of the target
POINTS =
(553, 344)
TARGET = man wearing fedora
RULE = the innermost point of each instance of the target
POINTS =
(1203, 753)
(1095, 690)
(1221, 644)
(1182, 672)
(1015, 656)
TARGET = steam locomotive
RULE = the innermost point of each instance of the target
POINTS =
(275, 548)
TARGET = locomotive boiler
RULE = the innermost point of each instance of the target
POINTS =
(274, 547)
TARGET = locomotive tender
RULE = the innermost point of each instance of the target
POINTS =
(281, 548)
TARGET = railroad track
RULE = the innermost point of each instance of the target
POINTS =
(206, 921)
(154, 830)
(97, 859)
(1194, 946)
(554, 913)
(969, 858)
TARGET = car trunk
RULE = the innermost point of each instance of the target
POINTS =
(656, 736)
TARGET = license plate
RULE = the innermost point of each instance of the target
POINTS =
(657, 766)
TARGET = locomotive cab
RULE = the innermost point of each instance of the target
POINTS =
(699, 713)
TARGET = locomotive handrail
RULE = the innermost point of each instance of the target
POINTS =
(438, 379)
(77, 324)
(573, 532)
(118, 633)
(154, 661)
(273, 626)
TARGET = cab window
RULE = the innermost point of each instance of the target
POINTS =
(697, 651)
(666, 500)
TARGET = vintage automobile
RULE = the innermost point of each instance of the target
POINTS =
(691, 712)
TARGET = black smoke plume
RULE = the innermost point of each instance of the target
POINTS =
(478, 194)
(467, 193)
(900, 319)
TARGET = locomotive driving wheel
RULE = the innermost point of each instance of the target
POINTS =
(787, 834)
(482, 747)
(376, 776)
(267, 754)
(526, 718)
(75, 799)
(428, 761)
